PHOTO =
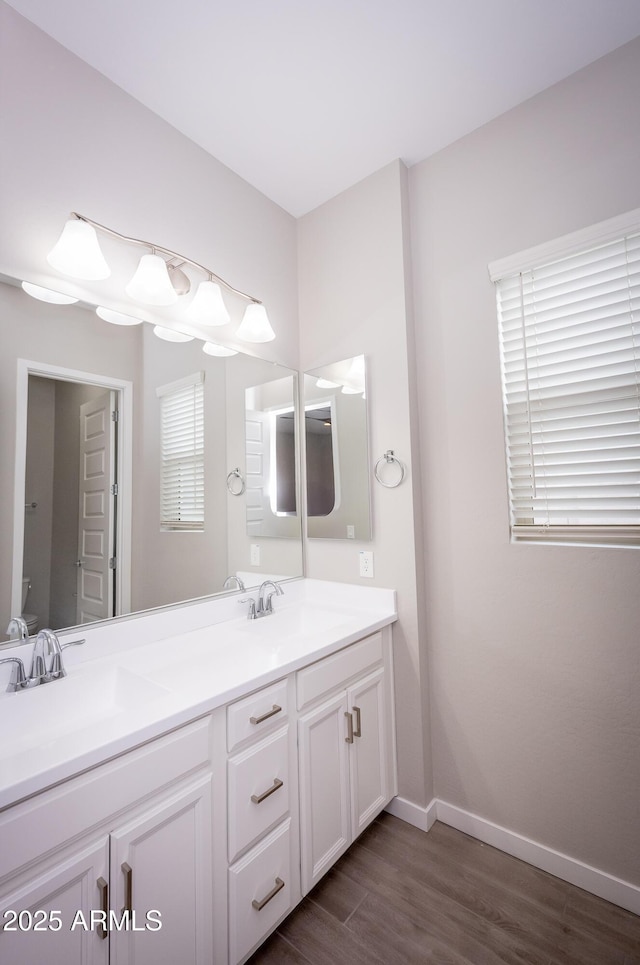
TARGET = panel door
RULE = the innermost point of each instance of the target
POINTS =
(55, 925)
(324, 788)
(95, 516)
(161, 863)
(368, 753)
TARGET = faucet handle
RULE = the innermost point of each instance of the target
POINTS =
(251, 615)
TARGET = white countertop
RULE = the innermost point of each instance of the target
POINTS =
(123, 688)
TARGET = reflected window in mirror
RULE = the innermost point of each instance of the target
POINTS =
(337, 451)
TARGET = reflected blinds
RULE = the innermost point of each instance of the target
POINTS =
(182, 454)
(570, 345)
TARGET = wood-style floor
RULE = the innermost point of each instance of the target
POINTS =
(400, 896)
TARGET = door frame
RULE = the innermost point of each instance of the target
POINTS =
(124, 478)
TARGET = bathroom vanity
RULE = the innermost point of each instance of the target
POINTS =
(193, 777)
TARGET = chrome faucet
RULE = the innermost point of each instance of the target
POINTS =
(265, 605)
(18, 680)
(230, 580)
(18, 630)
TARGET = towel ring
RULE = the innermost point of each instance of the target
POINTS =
(235, 482)
(398, 470)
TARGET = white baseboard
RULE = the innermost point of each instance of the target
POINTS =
(419, 817)
(599, 883)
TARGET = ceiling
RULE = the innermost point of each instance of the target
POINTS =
(303, 98)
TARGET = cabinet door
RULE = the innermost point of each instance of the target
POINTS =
(161, 863)
(368, 753)
(54, 923)
(324, 788)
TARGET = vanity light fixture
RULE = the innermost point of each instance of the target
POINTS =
(171, 335)
(255, 326)
(326, 384)
(159, 279)
(354, 382)
(77, 252)
(47, 294)
(221, 351)
(116, 318)
(207, 306)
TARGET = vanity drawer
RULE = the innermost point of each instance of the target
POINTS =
(260, 892)
(258, 789)
(257, 714)
(335, 671)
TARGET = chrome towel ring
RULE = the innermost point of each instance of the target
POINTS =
(235, 482)
(389, 471)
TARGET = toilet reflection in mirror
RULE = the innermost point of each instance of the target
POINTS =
(337, 451)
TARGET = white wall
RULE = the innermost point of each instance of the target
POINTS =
(353, 300)
(73, 141)
(534, 650)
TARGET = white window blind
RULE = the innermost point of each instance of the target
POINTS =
(570, 346)
(182, 454)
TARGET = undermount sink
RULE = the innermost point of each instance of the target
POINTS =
(43, 713)
(295, 621)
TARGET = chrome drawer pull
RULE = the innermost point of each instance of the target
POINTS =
(259, 905)
(270, 713)
(358, 728)
(258, 798)
(128, 887)
(349, 737)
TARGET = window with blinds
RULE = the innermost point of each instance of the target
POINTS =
(570, 347)
(182, 454)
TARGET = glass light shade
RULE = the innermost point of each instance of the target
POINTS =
(207, 306)
(116, 318)
(255, 326)
(77, 253)
(151, 284)
(170, 334)
(47, 294)
(326, 384)
(212, 348)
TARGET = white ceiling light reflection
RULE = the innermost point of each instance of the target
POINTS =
(47, 294)
(221, 351)
(116, 318)
(170, 334)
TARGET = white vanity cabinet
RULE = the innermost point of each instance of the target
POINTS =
(131, 834)
(262, 824)
(346, 741)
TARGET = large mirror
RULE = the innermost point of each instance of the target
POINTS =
(71, 550)
(337, 451)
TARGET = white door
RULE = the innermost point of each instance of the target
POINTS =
(161, 862)
(324, 788)
(258, 456)
(369, 779)
(95, 510)
(54, 923)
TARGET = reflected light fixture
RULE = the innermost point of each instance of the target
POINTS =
(255, 326)
(354, 382)
(171, 335)
(47, 294)
(221, 351)
(326, 384)
(116, 318)
(159, 279)
(77, 252)
(207, 306)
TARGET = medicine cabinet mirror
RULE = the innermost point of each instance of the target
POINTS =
(337, 451)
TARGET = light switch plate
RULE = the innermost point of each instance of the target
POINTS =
(255, 554)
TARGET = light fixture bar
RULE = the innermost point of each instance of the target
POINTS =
(166, 251)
